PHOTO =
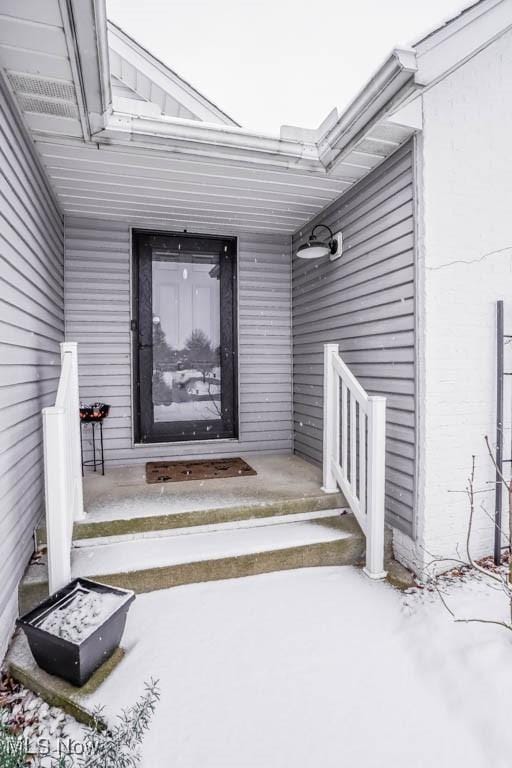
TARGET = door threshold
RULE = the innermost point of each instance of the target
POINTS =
(213, 441)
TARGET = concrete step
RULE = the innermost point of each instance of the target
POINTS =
(94, 527)
(235, 524)
(77, 702)
(146, 564)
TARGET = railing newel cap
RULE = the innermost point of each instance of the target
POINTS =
(53, 410)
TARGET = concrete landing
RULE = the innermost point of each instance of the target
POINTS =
(124, 493)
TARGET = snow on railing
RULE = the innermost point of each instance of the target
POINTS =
(62, 469)
(354, 452)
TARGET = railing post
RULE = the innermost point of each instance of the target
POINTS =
(71, 348)
(375, 487)
(57, 513)
(331, 419)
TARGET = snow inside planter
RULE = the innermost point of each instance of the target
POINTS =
(77, 628)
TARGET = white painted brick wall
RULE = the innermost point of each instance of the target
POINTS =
(466, 266)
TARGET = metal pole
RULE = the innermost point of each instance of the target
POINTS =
(81, 449)
(499, 432)
(102, 454)
(93, 426)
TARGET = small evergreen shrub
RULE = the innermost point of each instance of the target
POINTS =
(114, 747)
(117, 747)
(12, 749)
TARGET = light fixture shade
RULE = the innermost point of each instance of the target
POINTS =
(313, 249)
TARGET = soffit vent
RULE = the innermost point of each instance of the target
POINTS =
(39, 86)
(46, 106)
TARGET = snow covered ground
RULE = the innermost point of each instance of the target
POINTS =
(193, 410)
(319, 668)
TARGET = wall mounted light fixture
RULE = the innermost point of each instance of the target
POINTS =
(316, 248)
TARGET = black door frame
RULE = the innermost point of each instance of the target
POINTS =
(146, 430)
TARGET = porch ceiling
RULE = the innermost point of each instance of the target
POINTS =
(120, 182)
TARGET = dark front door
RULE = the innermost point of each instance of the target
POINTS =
(184, 337)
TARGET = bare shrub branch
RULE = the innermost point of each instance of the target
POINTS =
(497, 579)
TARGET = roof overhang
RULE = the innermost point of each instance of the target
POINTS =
(459, 39)
(345, 147)
(188, 171)
(54, 58)
(390, 85)
(85, 26)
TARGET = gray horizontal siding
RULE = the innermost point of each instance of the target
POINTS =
(98, 316)
(365, 302)
(31, 327)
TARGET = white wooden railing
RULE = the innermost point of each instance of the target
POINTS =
(62, 469)
(354, 452)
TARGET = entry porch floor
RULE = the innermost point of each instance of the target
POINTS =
(282, 482)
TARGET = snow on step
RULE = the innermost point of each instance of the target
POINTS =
(147, 553)
(252, 522)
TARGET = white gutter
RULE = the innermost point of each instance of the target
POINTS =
(210, 139)
(387, 83)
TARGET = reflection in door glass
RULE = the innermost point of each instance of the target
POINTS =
(186, 338)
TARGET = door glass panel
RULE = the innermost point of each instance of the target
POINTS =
(186, 384)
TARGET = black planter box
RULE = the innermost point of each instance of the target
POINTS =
(76, 662)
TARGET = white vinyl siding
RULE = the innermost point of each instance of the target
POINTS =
(98, 311)
(31, 328)
(365, 302)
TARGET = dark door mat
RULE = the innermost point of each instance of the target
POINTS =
(207, 469)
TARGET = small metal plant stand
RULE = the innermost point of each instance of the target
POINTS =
(93, 415)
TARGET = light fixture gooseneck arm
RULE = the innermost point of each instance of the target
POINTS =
(325, 227)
